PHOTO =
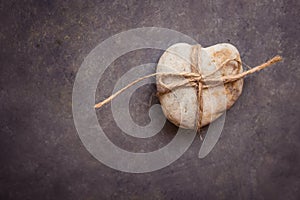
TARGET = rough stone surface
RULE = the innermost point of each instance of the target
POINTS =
(43, 43)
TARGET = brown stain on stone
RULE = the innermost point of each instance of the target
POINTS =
(222, 54)
(232, 89)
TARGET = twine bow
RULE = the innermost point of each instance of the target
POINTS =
(195, 79)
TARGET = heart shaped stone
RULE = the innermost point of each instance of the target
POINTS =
(180, 104)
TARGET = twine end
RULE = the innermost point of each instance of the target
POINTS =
(277, 58)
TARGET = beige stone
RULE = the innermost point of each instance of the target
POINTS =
(181, 104)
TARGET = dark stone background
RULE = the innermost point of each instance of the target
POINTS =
(43, 44)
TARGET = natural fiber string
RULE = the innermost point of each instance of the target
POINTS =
(196, 68)
(196, 79)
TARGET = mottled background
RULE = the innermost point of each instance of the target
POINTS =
(43, 44)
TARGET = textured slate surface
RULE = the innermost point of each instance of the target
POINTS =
(43, 44)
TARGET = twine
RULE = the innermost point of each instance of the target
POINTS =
(196, 79)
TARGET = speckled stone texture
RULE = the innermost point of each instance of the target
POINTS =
(43, 44)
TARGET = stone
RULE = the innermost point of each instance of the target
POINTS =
(180, 104)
